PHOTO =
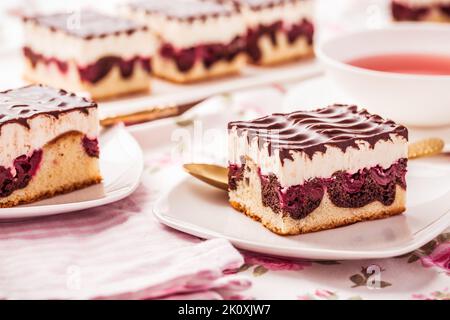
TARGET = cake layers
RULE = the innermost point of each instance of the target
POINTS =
(310, 208)
(278, 30)
(88, 51)
(198, 39)
(303, 145)
(314, 170)
(48, 144)
(421, 10)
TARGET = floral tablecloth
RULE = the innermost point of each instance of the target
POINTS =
(422, 274)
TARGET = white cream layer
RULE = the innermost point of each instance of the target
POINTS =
(17, 140)
(322, 165)
(423, 3)
(291, 12)
(184, 34)
(64, 47)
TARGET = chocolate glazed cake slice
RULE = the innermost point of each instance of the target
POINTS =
(199, 39)
(48, 144)
(278, 30)
(421, 10)
(312, 170)
(88, 52)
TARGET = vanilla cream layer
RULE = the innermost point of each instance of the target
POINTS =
(184, 34)
(58, 44)
(423, 3)
(322, 165)
(17, 140)
(290, 12)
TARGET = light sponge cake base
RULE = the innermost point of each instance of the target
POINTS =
(247, 199)
(112, 85)
(283, 51)
(65, 167)
(167, 69)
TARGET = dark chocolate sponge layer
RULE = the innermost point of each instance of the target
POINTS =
(343, 189)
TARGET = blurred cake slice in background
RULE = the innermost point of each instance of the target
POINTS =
(278, 30)
(48, 144)
(198, 39)
(88, 52)
(421, 10)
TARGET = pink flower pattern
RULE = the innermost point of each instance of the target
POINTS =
(275, 264)
(436, 295)
(439, 257)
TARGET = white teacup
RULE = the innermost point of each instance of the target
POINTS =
(420, 100)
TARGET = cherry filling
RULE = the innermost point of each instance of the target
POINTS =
(91, 146)
(235, 174)
(366, 186)
(98, 70)
(36, 58)
(402, 12)
(344, 190)
(25, 168)
(209, 54)
(445, 9)
(297, 201)
(303, 29)
(94, 72)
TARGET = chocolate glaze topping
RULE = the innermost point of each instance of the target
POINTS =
(184, 10)
(86, 24)
(19, 105)
(311, 131)
(263, 4)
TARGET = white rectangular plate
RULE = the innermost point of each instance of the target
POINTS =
(203, 211)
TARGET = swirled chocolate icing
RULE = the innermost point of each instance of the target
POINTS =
(86, 24)
(312, 131)
(184, 10)
(19, 105)
(262, 4)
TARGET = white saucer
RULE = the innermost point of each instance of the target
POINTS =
(314, 93)
(320, 91)
(121, 165)
(200, 210)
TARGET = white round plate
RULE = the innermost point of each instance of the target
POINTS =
(121, 165)
(200, 210)
(312, 94)
(320, 91)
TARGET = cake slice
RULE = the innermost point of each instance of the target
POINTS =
(421, 10)
(48, 144)
(88, 52)
(198, 39)
(312, 170)
(278, 30)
